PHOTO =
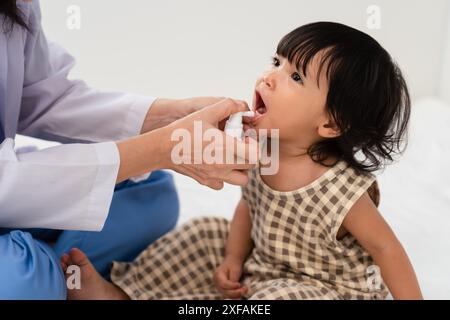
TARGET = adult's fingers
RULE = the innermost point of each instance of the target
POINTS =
(223, 109)
(236, 178)
(247, 150)
(247, 120)
(215, 184)
(241, 152)
(199, 103)
(243, 166)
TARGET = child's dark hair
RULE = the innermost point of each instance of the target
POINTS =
(367, 98)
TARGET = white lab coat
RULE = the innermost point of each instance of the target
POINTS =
(70, 186)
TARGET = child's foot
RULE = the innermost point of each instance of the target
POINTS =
(93, 286)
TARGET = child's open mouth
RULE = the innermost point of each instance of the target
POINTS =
(259, 107)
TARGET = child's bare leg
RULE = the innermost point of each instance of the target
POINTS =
(93, 286)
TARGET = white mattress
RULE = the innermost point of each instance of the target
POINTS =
(415, 197)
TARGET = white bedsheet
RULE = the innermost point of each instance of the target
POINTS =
(415, 196)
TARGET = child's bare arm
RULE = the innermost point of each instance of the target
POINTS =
(367, 225)
(239, 246)
(239, 243)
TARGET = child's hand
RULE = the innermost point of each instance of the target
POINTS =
(226, 278)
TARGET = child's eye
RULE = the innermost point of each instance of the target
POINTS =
(296, 77)
(275, 62)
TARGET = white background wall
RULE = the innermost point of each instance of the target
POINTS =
(444, 89)
(179, 48)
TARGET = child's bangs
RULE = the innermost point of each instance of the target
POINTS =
(300, 49)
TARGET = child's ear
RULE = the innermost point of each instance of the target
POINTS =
(329, 129)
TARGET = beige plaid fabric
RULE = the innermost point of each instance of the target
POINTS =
(296, 253)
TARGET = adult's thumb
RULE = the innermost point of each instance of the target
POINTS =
(223, 109)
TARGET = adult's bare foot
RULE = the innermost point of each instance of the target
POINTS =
(93, 286)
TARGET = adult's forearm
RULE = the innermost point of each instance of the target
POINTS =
(142, 154)
(161, 113)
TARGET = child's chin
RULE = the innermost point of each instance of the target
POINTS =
(262, 125)
(263, 130)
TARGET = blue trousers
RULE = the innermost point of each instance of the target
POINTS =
(140, 213)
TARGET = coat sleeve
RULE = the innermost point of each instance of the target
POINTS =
(67, 187)
(59, 109)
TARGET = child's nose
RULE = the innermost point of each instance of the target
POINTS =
(269, 79)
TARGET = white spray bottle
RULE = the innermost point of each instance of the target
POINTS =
(234, 126)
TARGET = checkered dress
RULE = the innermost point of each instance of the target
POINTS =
(296, 253)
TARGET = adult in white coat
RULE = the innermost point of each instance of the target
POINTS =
(81, 186)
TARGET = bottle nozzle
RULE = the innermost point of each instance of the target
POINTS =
(248, 114)
(234, 126)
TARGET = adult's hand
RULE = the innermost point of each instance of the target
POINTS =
(153, 150)
(211, 118)
(165, 111)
